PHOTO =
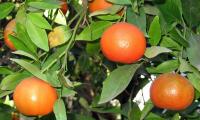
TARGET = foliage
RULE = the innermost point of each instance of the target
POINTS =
(91, 87)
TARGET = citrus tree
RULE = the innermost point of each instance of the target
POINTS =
(99, 59)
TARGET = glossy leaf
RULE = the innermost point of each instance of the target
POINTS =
(155, 31)
(153, 51)
(153, 116)
(12, 80)
(37, 35)
(176, 117)
(31, 68)
(178, 37)
(53, 58)
(111, 10)
(137, 19)
(193, 55)
(170, 43)
(23, 53)
(39, 21)
(147, 108)
(5, 9)
(117, 81)
(94, 31)
(134, 113)
(195, 80)
(122, 2)
(171, 10)
(167, 66)
(59, 110)
(22, 35)
(19, 45)
(5, 70)
(45, 4)
(191, 13)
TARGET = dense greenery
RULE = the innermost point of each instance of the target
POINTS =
(90, 86)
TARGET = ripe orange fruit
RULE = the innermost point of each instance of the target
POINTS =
(33, 96)
(9, 29)
(171, 91)
(96, 5)
(123, 43)
(64, 6)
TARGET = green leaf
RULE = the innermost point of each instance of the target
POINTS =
(59, 110)
(153, 116)
(191, 12)
(5, 9)
(94, 31)
(134, 113)
(66, 92)
(109, 17)
(31, 68)
(45, 4)
(93, 48)
(12, 80)
(147, 108)
(176, 117)
(170, 43)
(84, 103)
(176, 35)
(53, 58)
(115, 110)
(37, 35)
(192, 54)
(151, 9)
(111, 10)
(52, 77)
(19, 45)
(167, 66)
(5, 70)
(39, 21)
(4, 93)
(171, 10)
(195, 80)
(22, 35)
(153, 51)
(185, 66)
(137, 19)
(21, 15)
(23, 53)
(5, 112)
(154, 31)
(117, 81)
(122, 2)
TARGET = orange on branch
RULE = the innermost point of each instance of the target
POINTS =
(123, 43)
(171, 91)
(33, 97)
(9, 30)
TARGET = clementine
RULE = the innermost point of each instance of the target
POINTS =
(34, 96)
(9, 29)
(171, 91)
(96, 5)
(123, 43)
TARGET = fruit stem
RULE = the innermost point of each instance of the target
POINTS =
(71, 42)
